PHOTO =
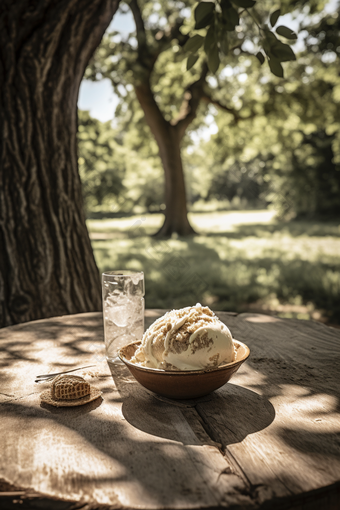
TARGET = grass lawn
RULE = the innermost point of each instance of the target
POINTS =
(241, 261)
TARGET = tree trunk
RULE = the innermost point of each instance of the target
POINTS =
(46, 261)
(168, 140)
(176, 214)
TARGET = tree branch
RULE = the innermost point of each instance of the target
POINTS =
(232, 111)
(153, 115)
(190, 103)
(143, 50)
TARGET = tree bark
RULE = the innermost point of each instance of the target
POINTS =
(176, 213)
(47, 266)
(168, 139)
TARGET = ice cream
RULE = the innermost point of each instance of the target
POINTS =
(191, 338)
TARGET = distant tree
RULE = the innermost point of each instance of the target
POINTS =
(150, 60)
(46, 260)
(101, 161)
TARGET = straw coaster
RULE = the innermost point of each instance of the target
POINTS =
(47, 398)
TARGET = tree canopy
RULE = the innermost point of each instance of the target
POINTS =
(295, 140)
(274, 134)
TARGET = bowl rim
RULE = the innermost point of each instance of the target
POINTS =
(160, 371)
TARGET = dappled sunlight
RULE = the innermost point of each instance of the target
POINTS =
(50, 347)
(280, 409)
(129, 225)
(314, 412)
(126, 462)
(79, 451)
(229, 221)
(261, 318)
(116, 438)
(249, 377)
(290, 269)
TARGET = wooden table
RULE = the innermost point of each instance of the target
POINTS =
(270, 438)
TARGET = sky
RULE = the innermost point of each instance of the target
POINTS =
(98, 97)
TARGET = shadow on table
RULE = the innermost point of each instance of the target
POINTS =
(105, 448)
(56, 343)
(236, 412)
(75, 410)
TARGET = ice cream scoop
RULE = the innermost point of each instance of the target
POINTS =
(191, 338)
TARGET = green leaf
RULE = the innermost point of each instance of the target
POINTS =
(205, 22)
(275, 67)
(276, 48)
(213, 59)
(282, 52)
(202, 9)
(286, 32)
(210, 38)
(194, 43)
(270, 36)
(274, 17)
(266, 46)
(224, 43)
(231, 17)
(204, 14)
(192, 59)
(244, 3)
(260, 57)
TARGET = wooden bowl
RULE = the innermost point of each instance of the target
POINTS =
(183, 384)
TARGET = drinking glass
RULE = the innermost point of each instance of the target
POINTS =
(123, 309)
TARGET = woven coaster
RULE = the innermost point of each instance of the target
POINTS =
(46, 397)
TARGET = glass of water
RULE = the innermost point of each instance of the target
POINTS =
(123, 309)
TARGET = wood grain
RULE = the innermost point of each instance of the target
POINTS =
(269, 437)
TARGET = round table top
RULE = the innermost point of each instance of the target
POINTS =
(269, 436)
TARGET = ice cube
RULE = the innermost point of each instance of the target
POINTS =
(119, 315)
(136, 278)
